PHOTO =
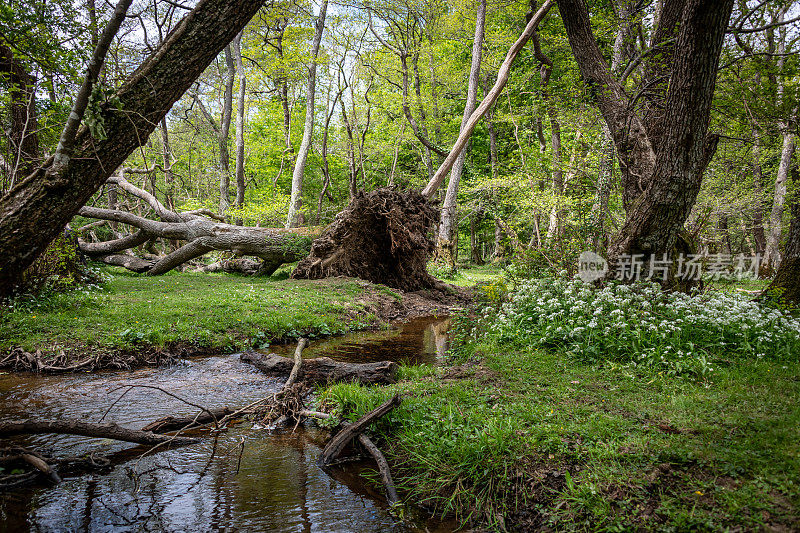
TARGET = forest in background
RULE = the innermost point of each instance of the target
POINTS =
(373, 95)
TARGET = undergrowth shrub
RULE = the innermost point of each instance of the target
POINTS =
(643, 325)
(59, 268)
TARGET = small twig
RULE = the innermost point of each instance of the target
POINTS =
(298, 361)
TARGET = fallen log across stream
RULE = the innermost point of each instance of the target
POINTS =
(325, 369)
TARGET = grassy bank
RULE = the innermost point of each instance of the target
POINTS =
(528, 438)
(214, 311)
(526, 428)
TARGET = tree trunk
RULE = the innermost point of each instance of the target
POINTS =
(759, 236)
(445, 243)
(86, 429)
(474, 236)
(274, 246)
(785, 287)
(772, 256)
(169, 177)
(494, 162)
(23, 139)
(668, 150)
(36, 210)
(222, 134)
(240, 112)
(622, 50)
(296, 201)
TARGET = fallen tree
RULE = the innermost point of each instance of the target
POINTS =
(87, 429)
(202, 230)
(384, 236)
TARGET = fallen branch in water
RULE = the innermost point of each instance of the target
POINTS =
(380, 459)
(177, 423)
(325, 370)
(86, 429)
(351, 431)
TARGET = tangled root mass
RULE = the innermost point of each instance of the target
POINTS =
(383, 236)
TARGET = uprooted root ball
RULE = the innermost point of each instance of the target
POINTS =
(382, 237)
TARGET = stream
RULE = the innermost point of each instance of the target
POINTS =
(246, 480)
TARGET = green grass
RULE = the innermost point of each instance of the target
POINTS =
(530, 438)
(220, 311)
(476, 275)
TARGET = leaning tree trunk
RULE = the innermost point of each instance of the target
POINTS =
(35, 211)
(382, 236)
(202, 234)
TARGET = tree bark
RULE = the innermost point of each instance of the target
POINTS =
(759, 236)
(351, 431)
(445, 243)
(772, 255)
(36, 210)
(545, 70)
(224, 132)
(169, 177)
(86, 429)
(785, 287)
(296, 201)
(24, 138)
(240, 112)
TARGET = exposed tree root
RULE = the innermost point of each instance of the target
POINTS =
(20, 360)
(382, 237)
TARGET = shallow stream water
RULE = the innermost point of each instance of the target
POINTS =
(246, 480)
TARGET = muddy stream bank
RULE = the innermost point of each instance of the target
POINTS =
(255, 480)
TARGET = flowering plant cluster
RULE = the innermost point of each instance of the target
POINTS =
(643, 325)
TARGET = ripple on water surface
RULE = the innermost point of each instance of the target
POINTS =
(253, 481)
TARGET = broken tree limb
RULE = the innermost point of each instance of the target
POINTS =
(488, 101)
(325, 369)
(351, 431)
(87, 429)
(383, 464)
(298, 362)
(41, 465)
(383, 467)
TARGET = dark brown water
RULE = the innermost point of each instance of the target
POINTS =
(246, 480)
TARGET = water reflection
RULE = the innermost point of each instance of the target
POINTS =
(422, 340)
(255, 480)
